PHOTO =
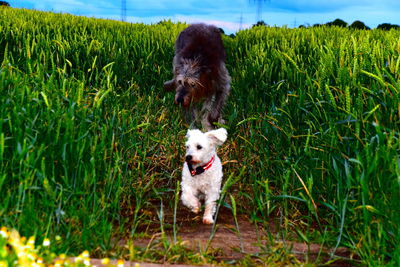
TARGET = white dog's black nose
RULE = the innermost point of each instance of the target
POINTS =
(189, 158)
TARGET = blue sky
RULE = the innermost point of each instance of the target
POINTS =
(231, 15)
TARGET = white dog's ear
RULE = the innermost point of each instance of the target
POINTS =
(190, 132)
(217, 137)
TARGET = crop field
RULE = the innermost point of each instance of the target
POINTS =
(91, 146)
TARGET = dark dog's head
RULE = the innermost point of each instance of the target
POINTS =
(189, 81)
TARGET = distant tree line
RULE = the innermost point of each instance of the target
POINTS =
(358, 25)
(387, 26)
(4, 3)
(341, 23)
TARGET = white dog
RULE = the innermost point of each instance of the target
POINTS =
(202, 171)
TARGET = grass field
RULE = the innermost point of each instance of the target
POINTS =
(90, 142)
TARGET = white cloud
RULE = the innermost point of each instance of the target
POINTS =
(228, 26)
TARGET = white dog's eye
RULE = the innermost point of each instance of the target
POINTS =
(187, 147)
(199, 147)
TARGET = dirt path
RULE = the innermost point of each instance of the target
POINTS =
(229, 244)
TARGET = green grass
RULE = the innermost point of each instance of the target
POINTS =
(89, 141)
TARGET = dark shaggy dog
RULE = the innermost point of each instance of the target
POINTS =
(200, 74)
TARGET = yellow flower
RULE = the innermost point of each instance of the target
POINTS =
(15, 238)
(46, 242)
(32, 256)
(85, 254)
(31, 243)
(79, 259)
(120, 263)
(4, 232)
(105, 261)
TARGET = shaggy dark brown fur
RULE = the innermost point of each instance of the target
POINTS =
(200, 74)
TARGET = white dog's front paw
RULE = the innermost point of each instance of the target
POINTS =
(190, 201)
(195, 210)
(208, 220)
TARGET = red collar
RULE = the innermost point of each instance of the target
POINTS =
(201, 169)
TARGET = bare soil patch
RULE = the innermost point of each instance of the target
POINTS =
(232, 244)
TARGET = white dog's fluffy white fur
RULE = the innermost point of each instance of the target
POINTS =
(200, 150)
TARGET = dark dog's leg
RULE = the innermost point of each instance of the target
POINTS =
(169, 85)
(206, 112)
(212, 109)
(215, 110)
(192, 116)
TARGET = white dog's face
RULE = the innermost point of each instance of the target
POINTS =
(200, 147)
